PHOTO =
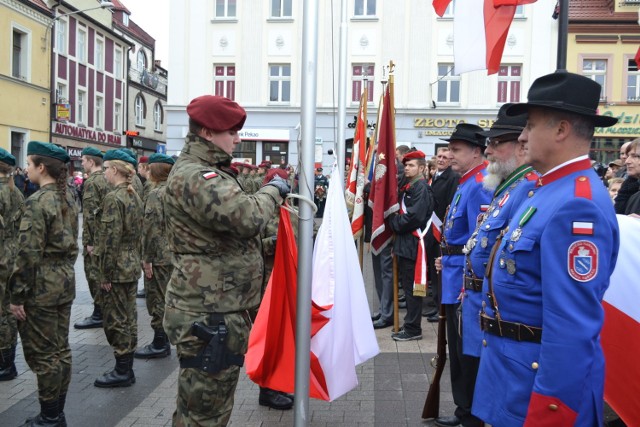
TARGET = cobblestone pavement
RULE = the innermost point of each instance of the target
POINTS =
(391, 392)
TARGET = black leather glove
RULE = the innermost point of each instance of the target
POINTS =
(281, 185)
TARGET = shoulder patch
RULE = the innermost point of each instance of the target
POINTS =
(583, 187)
(209, 175)
(532, 176)
(582, 260)
(479, 177)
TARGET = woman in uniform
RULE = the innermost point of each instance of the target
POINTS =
(156, 255)
(119, 254)
(42, 287)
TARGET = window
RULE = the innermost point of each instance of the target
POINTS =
(141, 60)
(360, 73)
(19, 54)
(596, 70)
(61, 36)
(509, 80)
(99, 112)
(633, 81)
(117, 116)
(81, 107)
(125, 19)
(157, 117)
(225, 8)
(139, 110)
(99, 54)
(448, 85)
(61, 94)
(224, 81)
(281, 9)
(81, 45)
(118, 63)
(365, 8)
(280, 83)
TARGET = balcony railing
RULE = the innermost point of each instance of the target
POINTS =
(148, 79)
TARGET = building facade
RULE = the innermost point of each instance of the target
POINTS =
(604, 37)
(251, 51)
(147, 87)
(25, 56)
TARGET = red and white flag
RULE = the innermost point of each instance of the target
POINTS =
(480, 29)
(620, 334)
(383, 196)
(436, 227)
(348, 338)
(356, 176)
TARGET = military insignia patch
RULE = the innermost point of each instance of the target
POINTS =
(209, 175)
(584, 228)
(583, 260)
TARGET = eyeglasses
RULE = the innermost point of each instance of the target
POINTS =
(493, 143)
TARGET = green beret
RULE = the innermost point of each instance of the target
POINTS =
(47, 149)
(161, 158)
(91, 151)
(7, 157)
(131, 157)
(132, 153)
(118, 155)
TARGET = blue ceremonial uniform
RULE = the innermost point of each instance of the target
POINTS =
(506, 200)
(550, 272)
(460, 221)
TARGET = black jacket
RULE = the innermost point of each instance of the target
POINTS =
(444, 187)
(628, 188)
(419, 205)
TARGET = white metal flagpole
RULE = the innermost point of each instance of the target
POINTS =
(342, 89)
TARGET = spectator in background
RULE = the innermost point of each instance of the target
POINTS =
(614, 187)
(19, 179)
(630, 185)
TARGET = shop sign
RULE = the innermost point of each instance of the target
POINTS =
(264, 134)
(66, 129)
(628, 125)
(75, 153)
(63, 112)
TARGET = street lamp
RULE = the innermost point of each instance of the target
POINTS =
(103, 5)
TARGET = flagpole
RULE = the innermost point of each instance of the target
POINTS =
(396, 308)
(342, 89)
(563, 29)
(305, 227)
(363, 150)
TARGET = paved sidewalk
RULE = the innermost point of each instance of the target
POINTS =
(391, 392)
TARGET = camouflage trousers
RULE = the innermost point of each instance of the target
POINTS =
(45, 341)
(8, 325)
(120, 317)
(204, 399)
(92, 272)
(155, 288)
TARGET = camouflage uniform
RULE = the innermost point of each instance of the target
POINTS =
(146, 189)
(44, 282)
(155, 250)
(138, 186)
(95, 189)
(119, 254)
(11, 208)
(213, 229)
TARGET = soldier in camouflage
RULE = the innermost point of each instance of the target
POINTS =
(156, 256)
(214, 234)
(11, 207)
(119, 252)
(42, 287)
(95, 188)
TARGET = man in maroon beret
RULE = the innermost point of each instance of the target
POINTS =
(213, 230)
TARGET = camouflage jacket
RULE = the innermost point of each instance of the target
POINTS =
(11, 208)
(155, 246)
(47, 250)
(121, 234)
(95, 188)
(138, 185)
(214, 232)
(146, 189)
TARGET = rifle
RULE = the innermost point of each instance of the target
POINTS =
(432, 403)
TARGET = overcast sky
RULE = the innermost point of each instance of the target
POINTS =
(153, 17)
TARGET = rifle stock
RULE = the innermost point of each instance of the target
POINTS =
(432, 403)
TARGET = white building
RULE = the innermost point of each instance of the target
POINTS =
(250, 51)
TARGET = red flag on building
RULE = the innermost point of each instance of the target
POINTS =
(440, 6)
(356, 176)
(383, 197)
(637, 57)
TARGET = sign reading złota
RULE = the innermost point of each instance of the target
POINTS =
(444, 126)
(628, 125)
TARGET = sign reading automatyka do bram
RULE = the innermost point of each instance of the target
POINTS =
(65, 129)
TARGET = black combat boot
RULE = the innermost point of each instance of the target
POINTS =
(93, 321)
(274, 399)
(121, 376)
(48, 416)
(7, 367)
(62, 400)
(159, 348)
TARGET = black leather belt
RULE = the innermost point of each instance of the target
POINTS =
(471, 284)
(512, 330)
(452, 250)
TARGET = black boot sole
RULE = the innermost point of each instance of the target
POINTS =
(127, 383)
(160, 355)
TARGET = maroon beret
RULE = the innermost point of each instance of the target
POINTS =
(143, 159)
(216, 113)
(413, 155)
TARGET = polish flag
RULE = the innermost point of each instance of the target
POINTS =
(436, 227)
(480, 29)
(620, 334)
(347, 339)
